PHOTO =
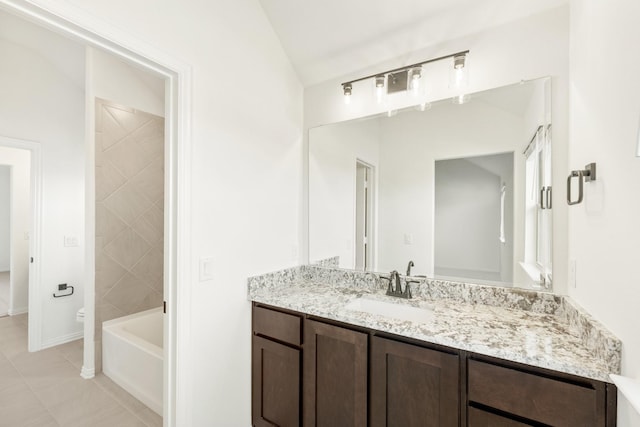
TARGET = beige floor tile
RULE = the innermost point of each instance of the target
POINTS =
(150, 418)
(9, 376)
(88, 406)
(13, 346)
(63, 392)
(73, 347)
(41, 370)
(20, 407)
(119, 417)
(73, 352)
(119, 394)
(44, 388)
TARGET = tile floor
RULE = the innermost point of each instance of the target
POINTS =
(44, 389)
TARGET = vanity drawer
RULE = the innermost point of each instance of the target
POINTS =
(480, 418)
(538, 398)
(277, 325)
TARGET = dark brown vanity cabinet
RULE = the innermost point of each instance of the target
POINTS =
(276, 368)
(412, 386)
(310, 373)
(335, 376)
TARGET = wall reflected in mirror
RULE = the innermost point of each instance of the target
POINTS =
(463, 191)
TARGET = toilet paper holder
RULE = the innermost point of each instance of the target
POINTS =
(64, 287)
(588, 174)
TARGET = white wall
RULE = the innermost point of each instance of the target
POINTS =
(5, 246)
(20, 192)
(605, 229)
(115, 80)
(530, 48)
(246, 150)
(41, 102)
(332, 174)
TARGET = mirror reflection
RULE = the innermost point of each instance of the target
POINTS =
(458, 192)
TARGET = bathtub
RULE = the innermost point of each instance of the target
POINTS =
(132, 355)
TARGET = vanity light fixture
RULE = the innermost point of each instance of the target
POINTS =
(409, 78)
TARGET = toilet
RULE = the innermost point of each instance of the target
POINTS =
(80, 315)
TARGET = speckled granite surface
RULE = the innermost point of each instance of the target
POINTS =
(538, 329)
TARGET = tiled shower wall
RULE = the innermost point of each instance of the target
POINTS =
(129, 213)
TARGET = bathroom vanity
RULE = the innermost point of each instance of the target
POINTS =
(329, 348)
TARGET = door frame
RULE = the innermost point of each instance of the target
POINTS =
(73, 22)
(368, 214)
(35, 238)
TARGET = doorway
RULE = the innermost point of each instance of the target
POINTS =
(15, 214)
(364, 216)
(21, 162)
(85, 29)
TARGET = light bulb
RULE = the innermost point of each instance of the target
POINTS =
(423, 107)
(416, 77)
(346, 88)
(379, 88)
(463, 98)
(459, 73)
(392, 113)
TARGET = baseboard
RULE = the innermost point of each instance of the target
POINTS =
(62, 340)
(87, 374)
(18, 311)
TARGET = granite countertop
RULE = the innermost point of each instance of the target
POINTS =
(547, 338)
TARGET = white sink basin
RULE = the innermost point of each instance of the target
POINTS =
(389, 309)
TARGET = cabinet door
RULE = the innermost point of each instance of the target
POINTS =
(413, 386)
(335, 376)
(275, 384)
(480, 418)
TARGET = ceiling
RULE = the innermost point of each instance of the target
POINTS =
(332, 38)
(64, 54)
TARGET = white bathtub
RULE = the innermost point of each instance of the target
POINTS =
(132, 355)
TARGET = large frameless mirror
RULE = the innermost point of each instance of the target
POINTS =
(458, 192)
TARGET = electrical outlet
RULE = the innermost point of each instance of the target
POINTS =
(70, 241)
(408, 239)
(26, 235)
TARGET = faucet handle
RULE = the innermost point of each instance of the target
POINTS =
(390, 280)
(407, 290)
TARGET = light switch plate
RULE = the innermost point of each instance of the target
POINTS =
(206, 269)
